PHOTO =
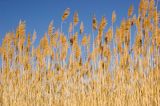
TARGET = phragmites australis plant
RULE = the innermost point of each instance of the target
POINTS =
(110, 66)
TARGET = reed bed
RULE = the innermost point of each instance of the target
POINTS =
(104, 68)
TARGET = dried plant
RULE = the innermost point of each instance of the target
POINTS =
(66, 14)
(75, 18)
(67, 70)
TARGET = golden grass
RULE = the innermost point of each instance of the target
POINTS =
(58, 73)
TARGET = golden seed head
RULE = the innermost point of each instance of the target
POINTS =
(66, 14)
(84, 40)
(21, 28)
(94, 23)
(130, 11)
(63, 39)
(50, 28)
(108, 36)
(29, 41)
(75, 18)
(103, 24)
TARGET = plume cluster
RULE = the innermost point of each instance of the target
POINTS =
(113, 69)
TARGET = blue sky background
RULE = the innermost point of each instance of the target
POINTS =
(39, 13)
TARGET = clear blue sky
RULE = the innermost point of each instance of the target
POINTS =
(39, 13)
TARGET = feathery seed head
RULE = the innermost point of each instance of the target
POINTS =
(75, 18)
(66, 14)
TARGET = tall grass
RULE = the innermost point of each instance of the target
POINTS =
(62, 70)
